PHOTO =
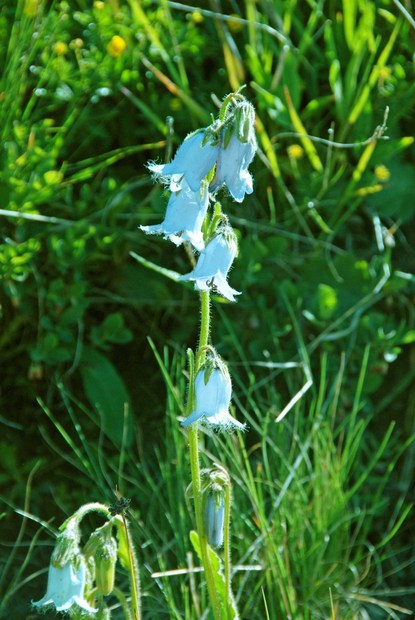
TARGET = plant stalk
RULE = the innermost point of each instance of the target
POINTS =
(193, 437)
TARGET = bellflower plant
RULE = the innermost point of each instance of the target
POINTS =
(214, 263)
(214, 519)
(213, 389)
(185, 213)
(216, 492)
(232, 168)
(237, 150)
(208, 160)
(192, 162)
(74, 569)
(66, 587)
(67, 572)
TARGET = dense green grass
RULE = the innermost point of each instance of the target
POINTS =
(91, 339)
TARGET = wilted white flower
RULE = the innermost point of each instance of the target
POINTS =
(193, 160)
(213, 264)
(213, 388)
(184, 217)
(66, 587)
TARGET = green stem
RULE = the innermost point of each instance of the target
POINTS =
(226, 544)
(134, 575)
(204, 329)
(228, 99)
(128, 560)
(193, 437)
(123, 602)
(86, 509)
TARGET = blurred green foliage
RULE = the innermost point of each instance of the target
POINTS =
(326, 260)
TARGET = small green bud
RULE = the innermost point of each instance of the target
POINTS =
(103, 547)
(245, 122)
(105, 569)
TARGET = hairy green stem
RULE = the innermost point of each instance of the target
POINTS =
(227, 544)
(204, 329)
(195, 459)
(128, 559)
(134, 574)
(119, 594)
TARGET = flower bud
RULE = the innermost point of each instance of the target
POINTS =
(245, 122)
(103, 547)
(214, 516)
(236, 152)
(215, 485)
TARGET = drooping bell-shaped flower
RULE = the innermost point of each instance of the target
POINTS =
(184, 217)
(213, 390)
(194, 158)
(214, 518)
(66, 587)
(213, 264)
(237, 150)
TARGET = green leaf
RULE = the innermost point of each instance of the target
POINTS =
(227, 602)
(108, 395)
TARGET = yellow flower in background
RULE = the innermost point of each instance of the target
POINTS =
(197, 17)
(295, 151)
(61, 48)
(382, 173)
(99, 5)
(116, 46)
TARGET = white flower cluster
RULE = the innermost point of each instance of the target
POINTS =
(208, 160)
(78, 578)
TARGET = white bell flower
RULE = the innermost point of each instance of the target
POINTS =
(65, 589)
(232, 167)
(184, 217)
(213, 390)
(193, 160)
(213, 264)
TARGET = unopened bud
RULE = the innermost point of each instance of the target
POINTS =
(244, 122)
(215, 487)
(103, 547)
(214, 519)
